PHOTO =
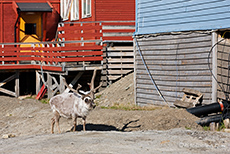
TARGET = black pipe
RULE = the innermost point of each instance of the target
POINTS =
(205, 121)
(208, 109)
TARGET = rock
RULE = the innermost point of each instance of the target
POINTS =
(5, 136)
(227, 130)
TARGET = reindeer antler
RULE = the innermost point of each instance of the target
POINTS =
(75, 91)
(97, 87)
(91, 84)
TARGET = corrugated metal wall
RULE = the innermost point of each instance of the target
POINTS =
(175, 62)
(223, 68)
(157, 16)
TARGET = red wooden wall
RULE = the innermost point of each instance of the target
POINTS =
(113, 10)
(110, 10)
(8, 19)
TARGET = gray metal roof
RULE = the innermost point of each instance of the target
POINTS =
(34, 7)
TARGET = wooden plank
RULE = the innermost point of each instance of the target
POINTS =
(184, 65)
(118, 71)
(117, 38)
(178, 83)
(117, 30)
(110, 66)
(116, 54)
(8, 80)
(84, 35)
(79, 28)
(174, 52)
(120, 48)
(113, 77)
(123, 60)
(169, 72)
(174, 78)
(8, 92)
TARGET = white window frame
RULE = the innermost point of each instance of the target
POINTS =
(69, 8)
(86, 8)
(74, 15)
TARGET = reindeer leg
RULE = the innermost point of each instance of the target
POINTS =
(57, 118)
(52, 125)
(74, 123)
(84, 122)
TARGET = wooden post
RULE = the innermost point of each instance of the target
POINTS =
(62, 85)
(38, 82)
(135, 72)
(214, 67)
(17, 89)
(74, 81)
(49, 84)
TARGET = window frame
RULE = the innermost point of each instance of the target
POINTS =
(86, 8)
(74, 15)
(69, 9)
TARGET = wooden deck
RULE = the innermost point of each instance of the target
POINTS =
(78, 47)
(50, 56)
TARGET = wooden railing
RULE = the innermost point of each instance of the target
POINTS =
(76, 42)
(48, 55)
(105, 30)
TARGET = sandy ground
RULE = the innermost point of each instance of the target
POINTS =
(25, 128)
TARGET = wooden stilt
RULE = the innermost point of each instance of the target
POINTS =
(12, 77)
(74, 81)
(49, 84)
(17, 91)
(62, 85)
(38, 82)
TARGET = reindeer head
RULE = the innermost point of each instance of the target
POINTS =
(89, 102)
(87, 97)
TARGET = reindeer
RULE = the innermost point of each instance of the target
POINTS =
(73, 105)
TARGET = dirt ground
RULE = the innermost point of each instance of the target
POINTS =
(25, 128)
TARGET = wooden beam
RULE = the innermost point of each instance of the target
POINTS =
(38, 82)
(17, 88)
(8, 92)
(8, 79)
(49, 84)
(74, 81)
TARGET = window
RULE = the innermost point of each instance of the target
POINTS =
(74, 10)
(69, 8)
(86, 8)
(30, 28)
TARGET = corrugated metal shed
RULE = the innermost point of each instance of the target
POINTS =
(159, 16)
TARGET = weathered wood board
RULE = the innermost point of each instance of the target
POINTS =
(175, 62)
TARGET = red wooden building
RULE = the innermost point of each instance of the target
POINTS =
(43, 41)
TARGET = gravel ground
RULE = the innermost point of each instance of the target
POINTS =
(25, 128)
(114, 142)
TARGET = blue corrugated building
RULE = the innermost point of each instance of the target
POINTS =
(181, 44)
(160, 16)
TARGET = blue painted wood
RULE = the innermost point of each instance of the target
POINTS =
(159, 16)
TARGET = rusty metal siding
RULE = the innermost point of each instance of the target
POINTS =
(175, 62)
(154, 16)
(113, 10)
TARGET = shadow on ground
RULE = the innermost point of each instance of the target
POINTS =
(103, 127)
